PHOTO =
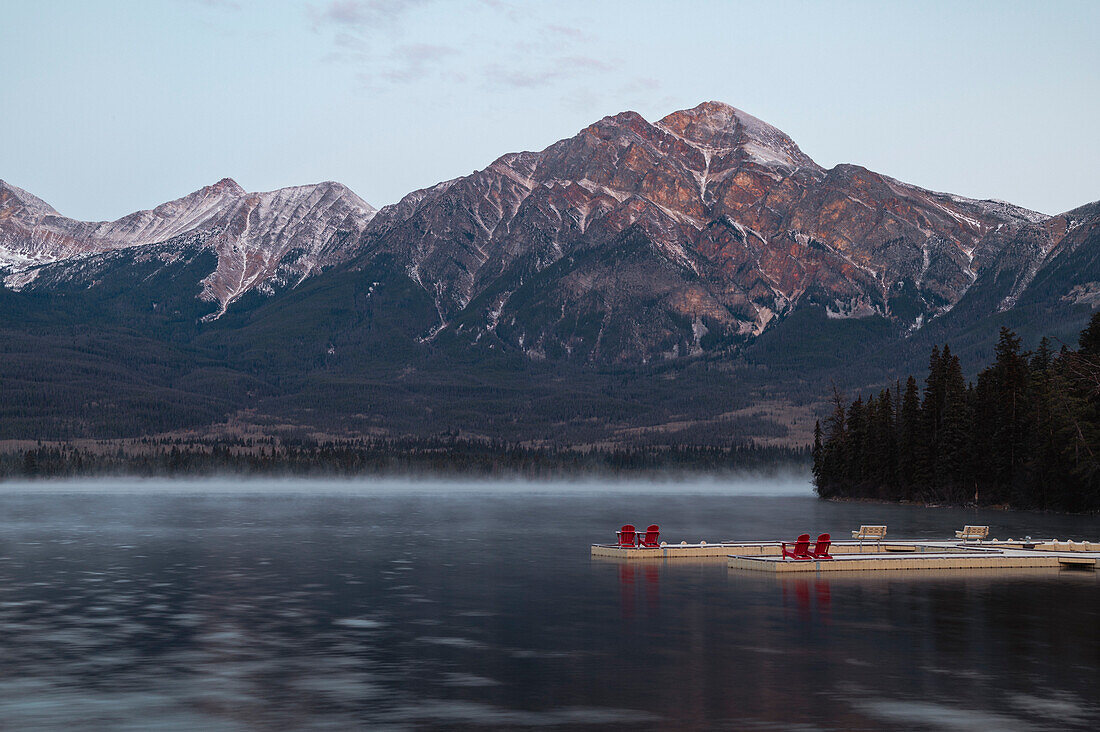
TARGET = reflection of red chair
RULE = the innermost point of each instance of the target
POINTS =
(626, 588)
(627, 536)
(801, 548)
(650, 537)
(821, 548)
(802, 594)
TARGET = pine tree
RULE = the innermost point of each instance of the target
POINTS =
(817, 453)
(884, 434)
(933, 405)
(912, 464)
(953, 466)
(1009, 380)
(30, 463)
(1078, 376)
(1047, 475)
(1041, 360)
(1090, 337)
(868, 468)
(833, 480)
(856, 438)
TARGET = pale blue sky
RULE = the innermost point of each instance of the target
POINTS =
(111, 106)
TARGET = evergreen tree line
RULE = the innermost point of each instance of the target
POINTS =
(1026, 434)
(442, 456)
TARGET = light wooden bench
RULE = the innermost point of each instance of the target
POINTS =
(878, 533)
(972, 532)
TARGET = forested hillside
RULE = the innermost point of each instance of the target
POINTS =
(1025, 434)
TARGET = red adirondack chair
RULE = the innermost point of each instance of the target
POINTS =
(627, 536)
(650, 537)
(801, 548)
(821, 548)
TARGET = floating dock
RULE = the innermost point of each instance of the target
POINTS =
(995, 559)
(852, 556)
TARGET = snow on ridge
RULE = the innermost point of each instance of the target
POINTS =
(28, 200)
(260, 234)
(284, 235)
(993, 208)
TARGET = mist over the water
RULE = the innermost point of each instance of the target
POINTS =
(781, 483)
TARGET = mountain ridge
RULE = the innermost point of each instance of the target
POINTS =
(714, 190)
(729, 199)
(636, 281)
(223, 216)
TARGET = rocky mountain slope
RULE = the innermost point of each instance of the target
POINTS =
(627, 242)
(635, 240)
(260, 240)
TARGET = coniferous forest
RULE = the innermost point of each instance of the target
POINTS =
(440, 456)
(1026, 434)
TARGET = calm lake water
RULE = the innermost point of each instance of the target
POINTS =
(393, 604)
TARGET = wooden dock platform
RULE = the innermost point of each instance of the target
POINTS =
(925, 562)
(722, 550)
(717, 551)
(852, 556)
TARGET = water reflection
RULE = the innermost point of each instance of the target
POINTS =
(800, 589)
(426, 610)
(650, 586)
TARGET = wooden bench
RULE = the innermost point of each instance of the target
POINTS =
(972, 533)
(878, 533)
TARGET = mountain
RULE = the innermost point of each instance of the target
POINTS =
(695, 279)
(637, 240)
(259, 240)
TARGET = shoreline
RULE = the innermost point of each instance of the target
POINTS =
(922, 504)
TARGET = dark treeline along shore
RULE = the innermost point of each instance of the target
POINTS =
(445, 455)
(1026, 434)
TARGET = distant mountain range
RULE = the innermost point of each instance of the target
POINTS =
(260, 239)
(705, 248)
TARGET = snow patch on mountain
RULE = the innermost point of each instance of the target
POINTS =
(261, 240)
(717, 127)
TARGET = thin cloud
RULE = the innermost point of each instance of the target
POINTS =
(415, 62)
(365, 15)
(560, 69)
(347, 40)
(224, 4)
(508, 10)
(498, 75)
(551, 39)
(641, 84)
(570, 32)
(409, 64)
(545, 53)
(363, 33)
(582, 64)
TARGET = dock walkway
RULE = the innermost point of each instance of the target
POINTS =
(900, 554)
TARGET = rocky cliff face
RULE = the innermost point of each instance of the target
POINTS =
(261, 240)
(634, 240)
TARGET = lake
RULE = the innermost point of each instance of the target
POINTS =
(398, 604)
